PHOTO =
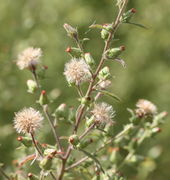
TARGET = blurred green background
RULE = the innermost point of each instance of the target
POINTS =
(39, 23)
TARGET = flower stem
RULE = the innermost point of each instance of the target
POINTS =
(35, 145)
(45, 109)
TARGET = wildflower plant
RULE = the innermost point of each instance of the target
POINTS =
(93, 150)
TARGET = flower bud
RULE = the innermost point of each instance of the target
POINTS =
(85, 100)
(60, 112)
(74, 52)
(32, 86)
(32, 176)
(89, 59)
(43, 98)
(128, 15)
(71, 32)
(26, 141)
(156, 130)
(74, 139)
(90, 121)
(50, 152)
(46, 163)
(104, 73)
(107, 28)
(114, 52)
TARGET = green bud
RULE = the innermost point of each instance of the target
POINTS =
(32, 86)
(89, 59)
(104, 73)
(60, 112)
(43, 100)
(155, 131)
(85, 143)
(107, 28)
(128, 15)
(114, 52)
(75, 52)
(46, 163)
(50, 152)
(71, 32)
(74, 140)
(90, 121)
(26, 141)
(85, 100)
(32, 176)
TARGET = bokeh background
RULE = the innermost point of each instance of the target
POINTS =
(39, 23)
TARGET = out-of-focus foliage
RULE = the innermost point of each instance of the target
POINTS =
(40, 24)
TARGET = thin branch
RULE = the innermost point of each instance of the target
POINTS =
(87, 131)
(35, 145)
(45, 109)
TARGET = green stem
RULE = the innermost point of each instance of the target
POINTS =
(45, 109)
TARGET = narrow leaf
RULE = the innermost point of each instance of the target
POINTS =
(98, 26)
(94, 158)
(121, 61)
(136, 24)
(110, 94)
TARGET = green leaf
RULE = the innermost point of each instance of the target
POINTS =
(136, 24)
(93, 158)
(98, 26)
(114, 96)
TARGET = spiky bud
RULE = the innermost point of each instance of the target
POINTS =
(107, 28)
(43, 100)
(114, 52)
(74, 52)
(71, 31)
(104, 73)
(32, 86)
(26, 141)
(89, 59)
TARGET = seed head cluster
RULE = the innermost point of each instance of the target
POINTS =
(28, 58)
(145, 107)
(103, 113)
(28, 120)
(77, 71)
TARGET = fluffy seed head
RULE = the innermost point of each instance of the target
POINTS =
(103, 113)
(29, 58)
(28, 120)
(145, 107)
(77, 71)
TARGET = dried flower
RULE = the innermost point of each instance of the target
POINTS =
(103, 113)
(29, 58)
(77, 71)
(145, 107)
(27, 120)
